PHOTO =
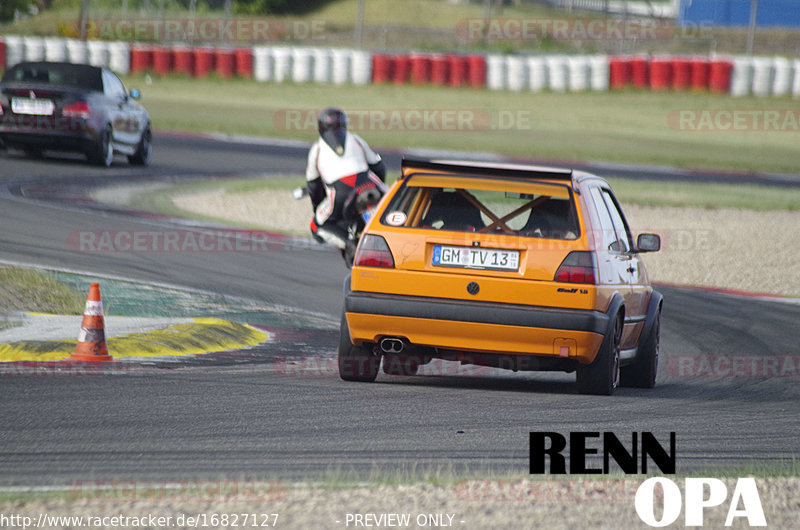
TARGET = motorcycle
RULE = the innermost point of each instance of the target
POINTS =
(359, 207)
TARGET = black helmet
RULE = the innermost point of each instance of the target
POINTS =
(332, 124)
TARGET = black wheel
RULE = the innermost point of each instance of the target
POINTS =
(144, 149)
(349, 253)
(102, 154)
(400, 364)
(356, 363)
(602, 376)
(642, 373)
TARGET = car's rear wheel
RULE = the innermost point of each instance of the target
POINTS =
(144, 150)
(642, 373)
(356, 363)
(102, 154)
(400, 364)
(602, 376)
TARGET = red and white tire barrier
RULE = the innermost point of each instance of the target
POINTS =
(738, 76)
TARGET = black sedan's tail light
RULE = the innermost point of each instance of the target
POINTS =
(79, 109)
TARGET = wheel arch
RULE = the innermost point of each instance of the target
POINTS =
(654, 307)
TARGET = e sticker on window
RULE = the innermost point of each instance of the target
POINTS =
(395, 218)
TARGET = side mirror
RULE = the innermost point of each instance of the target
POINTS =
(135, 94)
(648, 243)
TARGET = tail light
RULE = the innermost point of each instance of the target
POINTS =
(577, 267)
(374, 252)
(79, 109)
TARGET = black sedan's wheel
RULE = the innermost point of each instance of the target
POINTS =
(144, 150)
(356, 363)
(642, 373)
(102, 154)
(602, 376)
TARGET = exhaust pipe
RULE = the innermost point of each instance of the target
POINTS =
(392, 345)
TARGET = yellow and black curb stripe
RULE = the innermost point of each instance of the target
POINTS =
(204, 335)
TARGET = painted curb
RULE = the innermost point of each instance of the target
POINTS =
(204, 335)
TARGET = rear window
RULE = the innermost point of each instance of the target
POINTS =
(499, 206)
(57, 74)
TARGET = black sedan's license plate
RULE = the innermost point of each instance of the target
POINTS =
(476, 258)
(33, 107)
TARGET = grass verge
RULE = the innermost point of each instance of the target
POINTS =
(624, 127)
(424, 24)
(32, 290)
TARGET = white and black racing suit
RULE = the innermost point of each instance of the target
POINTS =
(330, 178)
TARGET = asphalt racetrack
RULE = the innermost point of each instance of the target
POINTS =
(254, 419)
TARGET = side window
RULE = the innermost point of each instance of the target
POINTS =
(620, 224)
(609, 235)
(112, 86)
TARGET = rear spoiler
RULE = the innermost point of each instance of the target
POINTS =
(490, 169)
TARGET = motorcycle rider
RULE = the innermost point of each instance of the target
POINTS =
(338, 162)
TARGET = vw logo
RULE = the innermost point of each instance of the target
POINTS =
(473, 288)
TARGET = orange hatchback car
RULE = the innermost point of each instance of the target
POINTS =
(508, 266)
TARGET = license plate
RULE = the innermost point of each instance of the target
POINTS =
(476, 258)
(35, 107)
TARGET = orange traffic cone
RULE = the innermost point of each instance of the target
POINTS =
(92, 337)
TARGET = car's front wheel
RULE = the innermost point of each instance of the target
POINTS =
(102, 153)
(356, 363)
(642, 373)
(144, 149)
(602, 376)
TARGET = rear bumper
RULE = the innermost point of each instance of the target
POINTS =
(52, 134)
(476, 326)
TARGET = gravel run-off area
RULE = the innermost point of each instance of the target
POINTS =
(723, 248)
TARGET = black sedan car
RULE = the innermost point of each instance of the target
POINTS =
(72, 107)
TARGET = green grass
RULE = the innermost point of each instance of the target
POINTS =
(706, 195)
(424, 24)
(32, 290)
(627, 127)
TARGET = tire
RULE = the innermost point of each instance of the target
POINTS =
(400, 364)
(102, 154)
(642, 373)
(349, 253)
(356, 363)
(144, 149)
(602, 376)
